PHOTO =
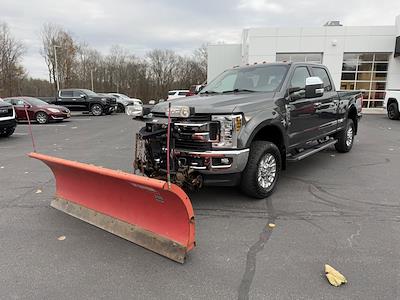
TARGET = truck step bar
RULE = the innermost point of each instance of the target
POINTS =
(311, 151)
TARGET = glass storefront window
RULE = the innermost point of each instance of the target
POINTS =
(366, 72)
(299, 57)
(364, 76)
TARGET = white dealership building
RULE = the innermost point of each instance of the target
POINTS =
(359, 57)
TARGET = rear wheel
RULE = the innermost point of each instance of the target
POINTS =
(345, 138)
(42, 117)
(393, 111)
(96, 109)
(262, 170)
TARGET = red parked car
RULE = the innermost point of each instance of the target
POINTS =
(38, 110)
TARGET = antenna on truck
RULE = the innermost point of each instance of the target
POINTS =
(168, 148)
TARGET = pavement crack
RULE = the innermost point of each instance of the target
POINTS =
(251, 258)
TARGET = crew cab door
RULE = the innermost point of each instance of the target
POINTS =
(326, 106)
(65, 98)
(303, 122)
(80, 100)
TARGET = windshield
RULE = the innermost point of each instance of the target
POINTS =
(252, 79)
(89, 93)
(35, 101)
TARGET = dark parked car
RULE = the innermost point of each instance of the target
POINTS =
(7, 119)
(38, 110)
(86, 100)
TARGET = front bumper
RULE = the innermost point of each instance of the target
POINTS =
(7, 124)
(134, 111)
(214, 162)
(61, 116)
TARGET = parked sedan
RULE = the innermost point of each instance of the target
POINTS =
(38, 110)
(123, 101)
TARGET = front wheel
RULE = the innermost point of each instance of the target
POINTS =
(345, 138)
(7, 132)
(120, 108)
(262, 171)
(42, 117)
(393, 111)
(96, 109)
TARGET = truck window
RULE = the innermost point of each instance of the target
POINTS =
(77, 94)
(321, 73)
(300, 75)
(66, 94)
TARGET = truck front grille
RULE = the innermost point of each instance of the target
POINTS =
(6, 112)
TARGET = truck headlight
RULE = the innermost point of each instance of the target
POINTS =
(230, 126)
(178, 111)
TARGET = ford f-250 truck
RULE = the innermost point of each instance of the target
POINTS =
(246, 124)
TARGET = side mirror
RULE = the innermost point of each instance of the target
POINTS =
(314, 87)
(83, 96)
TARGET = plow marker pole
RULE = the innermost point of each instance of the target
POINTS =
(142, 210)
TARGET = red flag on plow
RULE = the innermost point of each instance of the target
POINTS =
(142, 210)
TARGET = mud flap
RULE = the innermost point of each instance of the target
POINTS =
(142, 210)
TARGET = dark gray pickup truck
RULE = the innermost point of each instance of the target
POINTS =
(246, 124)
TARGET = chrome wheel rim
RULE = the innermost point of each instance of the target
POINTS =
(96, 110)
(349, 137)
(41, 118)
(266, 171)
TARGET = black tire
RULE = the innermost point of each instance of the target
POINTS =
(120, 108)
(7, 132)
(393, 111)
(345, 138)
(250, 183)
(96, 109)
(41, 117)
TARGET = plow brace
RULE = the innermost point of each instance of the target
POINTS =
(142, 210)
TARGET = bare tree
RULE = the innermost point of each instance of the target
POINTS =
(163, 65)
(11, 70)
(58, 43)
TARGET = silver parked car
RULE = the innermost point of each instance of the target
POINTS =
(123, 102)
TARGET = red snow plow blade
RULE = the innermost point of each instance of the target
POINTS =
(142, 210)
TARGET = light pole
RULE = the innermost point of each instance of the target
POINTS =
(91, 79)
(56, 67)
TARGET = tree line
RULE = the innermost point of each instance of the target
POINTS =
(71, 63)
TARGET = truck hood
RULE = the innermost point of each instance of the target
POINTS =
(4, 104)
(221, 103)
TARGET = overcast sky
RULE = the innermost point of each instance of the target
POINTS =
(179, 25)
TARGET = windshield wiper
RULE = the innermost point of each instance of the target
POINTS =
(239, 90)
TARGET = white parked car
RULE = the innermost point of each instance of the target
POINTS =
(123, 101)
(135, 110)
(391, 104)
(175, 94)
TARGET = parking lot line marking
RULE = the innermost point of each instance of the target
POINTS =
(45, 126)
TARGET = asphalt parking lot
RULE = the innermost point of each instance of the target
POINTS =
(340, 209)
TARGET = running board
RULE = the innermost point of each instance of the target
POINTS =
(311, 151)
